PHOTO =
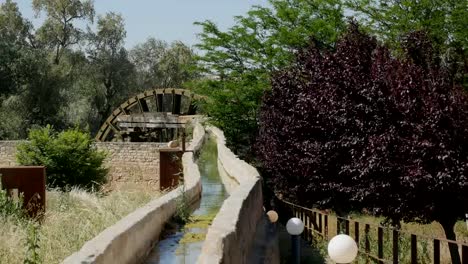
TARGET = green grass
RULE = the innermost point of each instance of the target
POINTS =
(71, 219)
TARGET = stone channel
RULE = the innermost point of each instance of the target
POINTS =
(183, 245)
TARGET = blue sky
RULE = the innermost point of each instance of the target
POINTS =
(168, 20)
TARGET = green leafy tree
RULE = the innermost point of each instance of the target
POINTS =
(233, 106)
(444, 21)
(58, 31)
(29, 89)
(266, 38)
(15, 32)
(159, 64)
(238, 61)
(70, 157)
(110, 63)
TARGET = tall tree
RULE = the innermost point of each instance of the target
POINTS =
(266, 38)
(161, 65)
(146, 57)
(237, 62)
(15, 32)
(110, 62)
(175, 66)
(357, 128)
(13, 26)
(58, 31)
(444, 21)
(28, 89)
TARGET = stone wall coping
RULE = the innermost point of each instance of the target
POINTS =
(131, 238)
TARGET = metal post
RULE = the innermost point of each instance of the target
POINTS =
(296, 249)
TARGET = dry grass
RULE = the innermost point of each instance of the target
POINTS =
(71, 219)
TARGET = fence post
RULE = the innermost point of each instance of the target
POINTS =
(464, 254)
(436, 251)
(356, 232)
(395, 246)
(307, 224)
(338, 225)
(380, 243)
(320, 223)
(366, 231)
(347, 227)
(414, 249)
(326, 226)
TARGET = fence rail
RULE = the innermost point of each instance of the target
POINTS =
(382, 244)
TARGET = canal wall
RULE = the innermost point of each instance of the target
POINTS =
(130, 239)
(232, 233)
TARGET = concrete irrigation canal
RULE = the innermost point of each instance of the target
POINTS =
(183, 245)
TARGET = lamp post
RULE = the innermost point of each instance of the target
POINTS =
(342, 249)
(295, 226)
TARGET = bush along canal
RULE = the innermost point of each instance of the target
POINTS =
(182, 243)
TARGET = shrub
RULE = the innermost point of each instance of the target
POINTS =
(70, 157)
(356, 128)
(32, 244)
(10, 207)
(183, 211)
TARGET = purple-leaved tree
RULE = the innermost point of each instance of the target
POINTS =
(356, 128)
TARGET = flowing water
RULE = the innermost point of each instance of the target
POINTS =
(184, 245)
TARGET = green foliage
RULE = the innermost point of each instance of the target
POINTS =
(10, 207)
(70, 157)
(30, 87)
(61, 75)
(58, 31)
(32, 244)
(266, 37)
(183, 210)
(160, 65)
(232, 106)
(444, 21)
(113, 72)
(239, 61)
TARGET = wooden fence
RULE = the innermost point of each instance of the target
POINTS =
(379, 243)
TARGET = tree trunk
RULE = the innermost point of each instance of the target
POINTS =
(450, 234)
(57, 56)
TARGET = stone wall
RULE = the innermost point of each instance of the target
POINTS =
(129, 163)
(8, 153)
(132, 163)
(231, 236)
(130, 239)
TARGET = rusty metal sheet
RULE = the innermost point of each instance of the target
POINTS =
(30, 181)
(170, 168)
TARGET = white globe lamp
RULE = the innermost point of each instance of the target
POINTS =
(342, 249)
(295, 226)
